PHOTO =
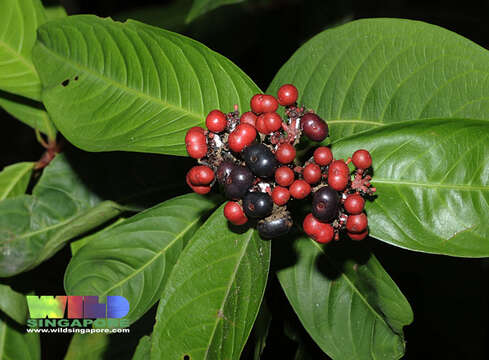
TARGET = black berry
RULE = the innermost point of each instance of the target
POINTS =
(325, 204)
(257, 205)
(260, 160)
(275, 225)
(223, 171)
(238, 182)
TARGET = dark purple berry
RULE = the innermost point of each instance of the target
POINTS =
(325, 204)
(257, 205)
(260, 160)
(223, 171)
(238, 182)
(314, 127)
(275, 225)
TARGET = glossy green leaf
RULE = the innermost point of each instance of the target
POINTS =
(129, 86)
(19, 20)
(135, 258)
(78, 244)
(200, 7)
(143, 351)
(14, 179)
(30, 113)
(373, 72)
(87, 346)
(433, 185)
(352, 309)
(55, 12)
(16, 344)
(13, 304)
(213, 294)
(34, 227)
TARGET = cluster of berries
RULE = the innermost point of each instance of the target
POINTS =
(253, 157)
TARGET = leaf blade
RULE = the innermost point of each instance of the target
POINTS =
(34, 227)
(14, 179)
(19, 20)
(216, 323)
(13, 304)
(170, 82)
(352, 309)
(432, 183)
(142, 251)
(372, 72)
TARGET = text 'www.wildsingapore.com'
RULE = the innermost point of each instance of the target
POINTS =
(77, 314)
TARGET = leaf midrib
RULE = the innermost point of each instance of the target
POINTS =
(345, 276)
(120, 86)
(154, 258)
(431, 185)
(23, 59)
(225, 298)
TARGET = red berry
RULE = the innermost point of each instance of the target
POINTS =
(285, 153)
(362, 159)
(338, 175)
(338, 182)
(300, 189)
(314, 127)
(356, 223)
(359, 236)
(273, 121)
(234, 213)
(325, 234)
(323, 155)
(248, 118)
(199, 189)
(195, 142)
(280, 195)
(354, 204)
(312, 173)
(256, 103)
(284, 176)
(287, 95)
(269, 103)
(317, 230)
(311, 225)
(216, 121)
(201, 175)
(260, 124)
(241, 137)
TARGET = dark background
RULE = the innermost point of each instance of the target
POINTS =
(449, 296)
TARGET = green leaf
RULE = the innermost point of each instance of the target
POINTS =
(19, 20)
(30, 113)
(34, 227)
(15, 344)
(76, 245)
(200, 7)
(352, 309)
(143, 350)
(212, 297)
(13, 304)
(134, 259)
(14, 179)
(433, 185)
(87, 346)
(369, 73)
(129, 86)
(55, 12)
